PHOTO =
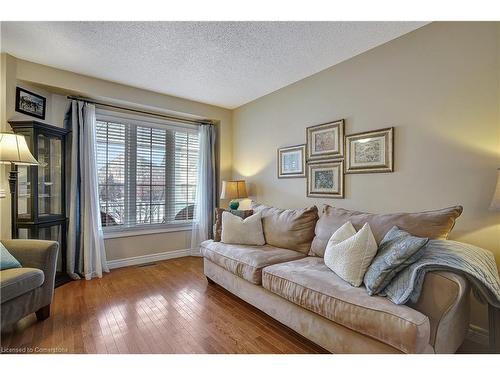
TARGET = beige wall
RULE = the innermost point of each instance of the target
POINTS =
(121, 248)
(55, 84)
(438, 86)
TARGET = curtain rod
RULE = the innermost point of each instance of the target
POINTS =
(175, 118)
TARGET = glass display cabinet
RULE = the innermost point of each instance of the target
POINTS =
(41, 190)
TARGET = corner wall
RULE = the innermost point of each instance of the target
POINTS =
(438, 86)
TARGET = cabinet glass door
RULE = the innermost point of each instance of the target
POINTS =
(49, 175)
(24, 207)
(24, 197)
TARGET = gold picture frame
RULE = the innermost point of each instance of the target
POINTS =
(325, 179)
(370, 152)
(325, 141)
(292, 161)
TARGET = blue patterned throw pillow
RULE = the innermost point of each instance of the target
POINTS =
(7, 260)
(397, 251)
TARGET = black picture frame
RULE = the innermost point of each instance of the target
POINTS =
(33, 113)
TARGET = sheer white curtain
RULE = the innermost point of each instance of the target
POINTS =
(86, 253)
(206, 188)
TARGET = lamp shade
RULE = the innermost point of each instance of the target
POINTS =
(14, 150)
(233, 190)
(495, 202)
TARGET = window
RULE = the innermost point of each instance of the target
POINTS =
(147, 171)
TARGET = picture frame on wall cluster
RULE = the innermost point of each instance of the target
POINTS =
(292, 161)
(321, 160)
(370, 152)
(325, 141)
(325, 179)
(30, 104)
(325, 165)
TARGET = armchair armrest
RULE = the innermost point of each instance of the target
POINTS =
(445, 300)
(37, 254)
(33, 253)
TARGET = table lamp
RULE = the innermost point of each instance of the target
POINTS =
(14, 151)
(234, 190)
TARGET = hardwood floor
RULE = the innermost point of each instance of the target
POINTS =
(166, 307)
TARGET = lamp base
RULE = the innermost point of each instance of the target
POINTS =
(234, 204)
(13, 180)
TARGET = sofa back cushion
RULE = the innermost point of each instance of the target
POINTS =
(431, 224)
(288, 229)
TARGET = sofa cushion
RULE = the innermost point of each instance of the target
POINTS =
(236, 230)
(288, 229)
(431, 224)
(397, 251)
(310, 284)
(18, 281)
(349, 254)
(218, 220)
(246, 261)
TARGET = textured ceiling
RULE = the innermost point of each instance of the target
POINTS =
(222, 63)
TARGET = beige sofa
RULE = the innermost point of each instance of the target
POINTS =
(298, 290)
(29, 289)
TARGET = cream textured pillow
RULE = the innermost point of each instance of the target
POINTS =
(349, 254)
(236, 230)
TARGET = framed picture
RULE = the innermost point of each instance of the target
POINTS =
(325, 179)
(292, 161)
(29, 103)
(325, 141)
(370, 152)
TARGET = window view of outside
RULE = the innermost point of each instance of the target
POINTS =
(146, 175)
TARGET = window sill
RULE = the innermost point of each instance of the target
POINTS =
(144, 232)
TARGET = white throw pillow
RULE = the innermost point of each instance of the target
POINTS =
(235, 230)
(349, 254)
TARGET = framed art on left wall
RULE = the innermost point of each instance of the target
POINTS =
(30, 104)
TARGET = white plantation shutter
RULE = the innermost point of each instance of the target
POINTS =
(147, 171)
(185, 171)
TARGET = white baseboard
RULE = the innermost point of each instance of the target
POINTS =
(478, 335)
(143, 259)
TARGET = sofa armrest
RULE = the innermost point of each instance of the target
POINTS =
(445, 300)
(37, 254)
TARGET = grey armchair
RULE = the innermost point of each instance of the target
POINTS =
(29, 289)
